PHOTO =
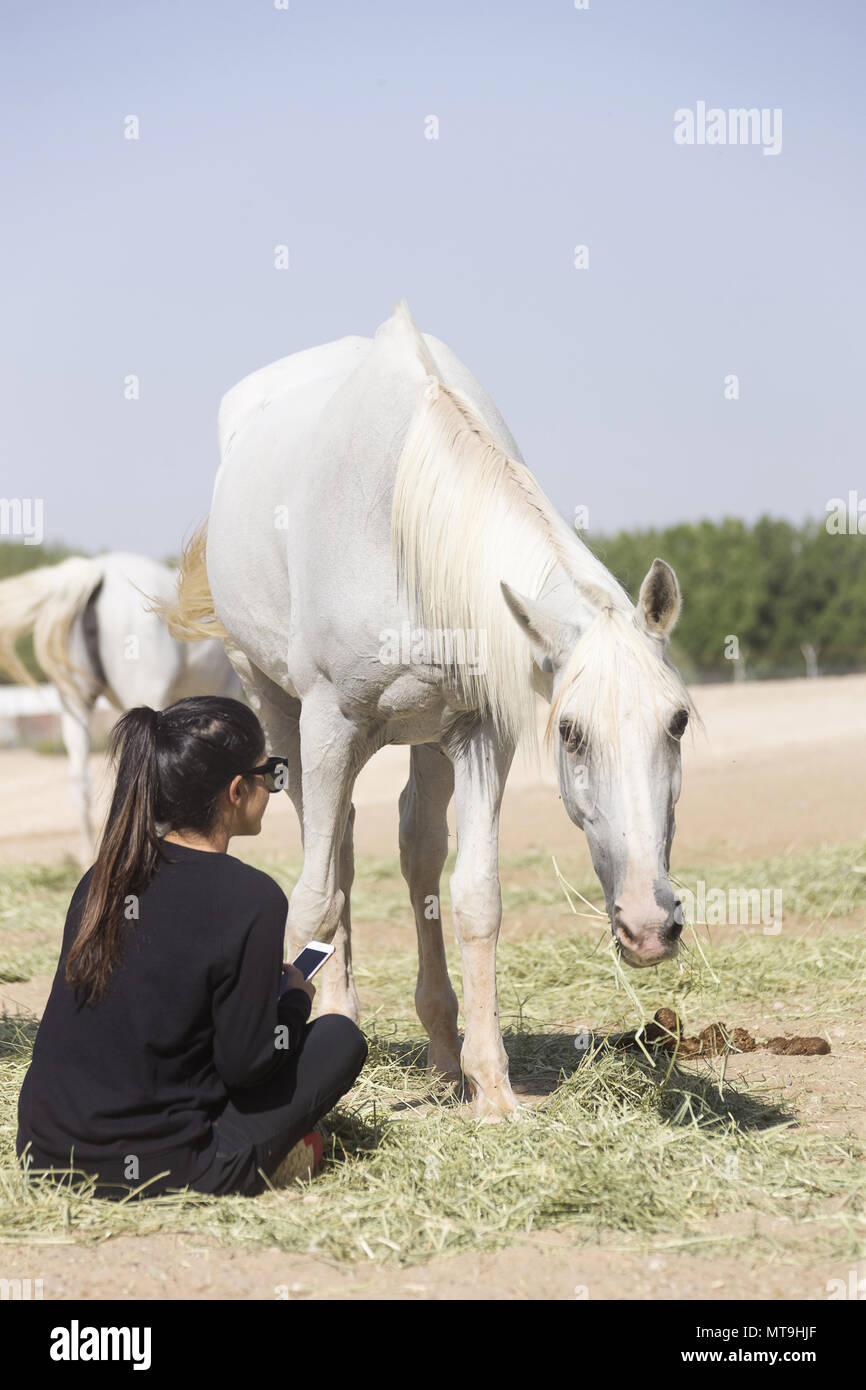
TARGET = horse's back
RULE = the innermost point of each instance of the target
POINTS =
(300, 518)
(305, 381)
(311, 376)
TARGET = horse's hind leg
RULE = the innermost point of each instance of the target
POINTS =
(78, 695)
(75, 728)
(423, 850)
(279, 715)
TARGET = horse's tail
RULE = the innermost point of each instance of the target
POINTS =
(46, 602)
(191, 616)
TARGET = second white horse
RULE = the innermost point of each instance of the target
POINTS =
(94, 634)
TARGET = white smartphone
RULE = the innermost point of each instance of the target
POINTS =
(311, 959)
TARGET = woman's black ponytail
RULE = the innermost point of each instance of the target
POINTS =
(172, 768)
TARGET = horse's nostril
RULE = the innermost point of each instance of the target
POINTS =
(621, 927)
(675, 929)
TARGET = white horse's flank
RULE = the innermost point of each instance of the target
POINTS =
(368, 484)
(93, 634)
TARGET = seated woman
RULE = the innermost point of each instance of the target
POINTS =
(166, 1056)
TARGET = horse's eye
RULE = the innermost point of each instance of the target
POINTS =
(571, 735)
(678, 724)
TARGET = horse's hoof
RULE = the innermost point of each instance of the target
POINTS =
(450, 1083)
(492, 1117)
(508, 1110)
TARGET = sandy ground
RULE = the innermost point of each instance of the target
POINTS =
(544, 1266)
(778, 764)
(779, 767)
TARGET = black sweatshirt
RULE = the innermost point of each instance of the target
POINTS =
(191, 1013)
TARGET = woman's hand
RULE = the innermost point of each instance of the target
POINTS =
(295, 980)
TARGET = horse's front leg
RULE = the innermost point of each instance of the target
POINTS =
(332, 752)
(481, 764)
(280, 717)
(337, 981)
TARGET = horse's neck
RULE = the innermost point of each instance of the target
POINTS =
(562, 597)
(574, 566)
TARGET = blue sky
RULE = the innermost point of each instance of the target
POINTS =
(261, 126)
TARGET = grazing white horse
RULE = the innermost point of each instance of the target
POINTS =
(94, 635)
(370, 497)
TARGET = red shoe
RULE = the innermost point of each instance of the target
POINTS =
(314, 1140)
(300, 1162)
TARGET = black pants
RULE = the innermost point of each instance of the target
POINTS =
(258, 1127)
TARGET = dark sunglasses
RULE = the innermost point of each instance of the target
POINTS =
(275, 772)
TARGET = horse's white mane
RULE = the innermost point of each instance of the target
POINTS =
(466, 516)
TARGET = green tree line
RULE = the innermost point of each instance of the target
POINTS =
(773, 586)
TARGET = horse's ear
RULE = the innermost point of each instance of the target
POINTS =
(658, 605)
(550, 638)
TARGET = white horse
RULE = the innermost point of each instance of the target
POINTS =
(369, 491)
(94, 635)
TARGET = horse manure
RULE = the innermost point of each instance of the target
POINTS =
(714, 1039)
(662, 1031)
(743, 1040)
(799, 1047)
(666, 1031)
(667, 1019)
